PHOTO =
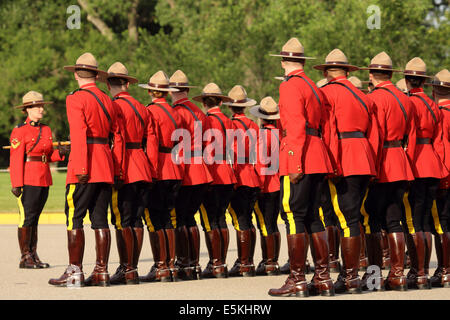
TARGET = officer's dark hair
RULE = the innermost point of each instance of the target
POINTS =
(117, 82)
(183, 90)
(415, 82)
(269, 121)
(301, 61)
(381, 74)
(158, 94)
(237, 109)
(441, 91)
(83, 73)
(211, 102)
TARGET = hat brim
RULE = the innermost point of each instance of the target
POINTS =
(279, 78)
(105, 78)
(292, 57)
(347, 66)
(437, 85)
(32, 105)
(248, 103)
(381, 69)
(255, 111)
(417, 75)
(101, 73)
(222, 97)
(146, 86)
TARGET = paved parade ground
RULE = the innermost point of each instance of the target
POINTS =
(25, 284)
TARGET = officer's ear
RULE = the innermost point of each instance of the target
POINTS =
(127, 85)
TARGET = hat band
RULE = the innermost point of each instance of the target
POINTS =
(380, 66)
(33, 102)
(267, 113)
(412, 72)
(239, 101)
(178, 84)
(113, 74)
(440, 83)
(292, 54)
(164, 86)
(85, 66)
(335, 62)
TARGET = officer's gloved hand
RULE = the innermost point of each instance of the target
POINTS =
(296, 177)
(118, 183)
(64, 150)
(83, 178)
(17, 191)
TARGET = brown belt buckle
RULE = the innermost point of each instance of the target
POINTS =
(44, 158)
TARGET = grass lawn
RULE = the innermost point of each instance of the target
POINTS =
(55, 202)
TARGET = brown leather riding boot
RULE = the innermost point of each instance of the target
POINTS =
(428, 248)
(416, 277)
(261, 268)
(396, 280)
(34, 240)
(153, 274)
(194, 252)
(215, 267)
(100, 276)
(131, 275)
(162, 271)
(224, 243)
(119, 276)
(182, 249)
(363, 261)
(348, 280)
(277, 236)
(321, 282)
(26, 259)
(446, 259)
(386, 257)
(171, 240)
(73, 275)
(334, 264)
(375, 258)
(295, 284)
(246, 267)
(269, 266)
(138, 240)
(436, 279)
(252, 245)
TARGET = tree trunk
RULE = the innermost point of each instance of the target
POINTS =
(96, 20)
(132, 22)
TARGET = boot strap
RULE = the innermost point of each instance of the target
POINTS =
(220, 266)
(131, 271)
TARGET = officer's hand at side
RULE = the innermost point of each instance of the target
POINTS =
(64, 150)
(296, 177)
(83, 178)
(17, 191)
(118, 183)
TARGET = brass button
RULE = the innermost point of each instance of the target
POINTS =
(291, 153)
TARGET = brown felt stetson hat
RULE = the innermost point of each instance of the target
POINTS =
(211, 90)
(381, 61)
(86, 61)
(401, 85)
(441, 79)
(336, 58)
(321, 82)
(416, 67)
(118, 70)
(267, 109)
(32, 99)
(180, 80)
(159, 82)
(292, 49)
(239, 98)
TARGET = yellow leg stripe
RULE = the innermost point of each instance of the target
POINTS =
(234, 218)
(286, 207)
(321, 216)
(205, 218)
(365, 215)
(148, 221)
(260, 219)
(115, 208)
(173, 217)
(71, 206)
(408, 212)
(437, 223)
(21, 212)
(338, 211)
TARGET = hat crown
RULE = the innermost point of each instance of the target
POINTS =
(401, 84)
(443, 75)
(356, 82)
(416, 64)
(87, 59)
(238, 93)
(382, 59)
(336, 56)
(118, 68)
(32, 96)
(269, 105)
(293, 45)
(211, 88)
(159, 78)
(179, 77)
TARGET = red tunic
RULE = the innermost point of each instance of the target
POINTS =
(166, 167)
(394, 163)
(444, 106)
(427, 161)
(195, 121)
(352, 156)
(33, 173)
(268, 147)
(299, 107)
(135, 165)
(221, 171)
(244, 170)
(87, 119)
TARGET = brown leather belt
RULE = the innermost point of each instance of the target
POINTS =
(351, 134)
(96, 140)
(133, 145)
(392, 144)
(309, 131)
(423, 141)
(164, 149)
(42, 158)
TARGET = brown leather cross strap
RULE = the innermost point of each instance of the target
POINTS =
(133, 145)
(351, 134)
(163, 149)
(96, 140)
(423, 141)
(392, 144)
(42, 158)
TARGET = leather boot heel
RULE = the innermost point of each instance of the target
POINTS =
(446, 281)
(423, 283)
(397, 284)
(326, 288)
(164, 275)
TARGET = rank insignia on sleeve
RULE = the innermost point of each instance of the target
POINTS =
(15, 143)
